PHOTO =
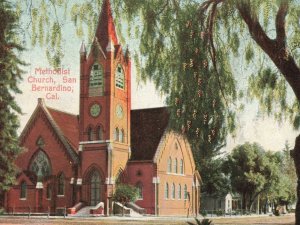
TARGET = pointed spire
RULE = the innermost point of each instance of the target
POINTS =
(82, 48)
(106, 28)
(127, 52)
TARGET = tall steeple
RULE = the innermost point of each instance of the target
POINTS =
(106, 28)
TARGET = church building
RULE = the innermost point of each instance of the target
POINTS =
(70, 159)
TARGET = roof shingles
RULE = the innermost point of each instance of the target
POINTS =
(147, 129)
(68, 124)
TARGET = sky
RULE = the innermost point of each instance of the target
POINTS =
(253, 128)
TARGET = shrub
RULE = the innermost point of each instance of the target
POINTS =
(203, 222)
(203, 213)
(1, 211)
(219, 212)
(125, 193)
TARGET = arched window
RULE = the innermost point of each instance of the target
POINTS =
(175, 166)
(90, 134)
(49, 191)
(185, 192)
(23, 192)
(167, 191)
(61, 184)
(181, 166)
(173, 191)
(121, 136)
(96, 84)
(169, 165)
(95, 188)
(139, 187)
(119, 77)
(116, 134)
(179, 191)
(99, 133)
(40, 165)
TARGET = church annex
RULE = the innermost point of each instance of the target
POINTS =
(70, 159)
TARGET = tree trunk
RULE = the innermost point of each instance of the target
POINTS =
(296, 155)
(243, 201)
(278, 52)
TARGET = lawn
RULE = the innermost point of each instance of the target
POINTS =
(282, 220)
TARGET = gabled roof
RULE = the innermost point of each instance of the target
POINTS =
(69, 125)
(147, 129)
(106, 28)
(65, 126)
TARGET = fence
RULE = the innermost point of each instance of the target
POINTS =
(36, 211)
(220, 212)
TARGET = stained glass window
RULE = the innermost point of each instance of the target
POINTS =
(41, 165)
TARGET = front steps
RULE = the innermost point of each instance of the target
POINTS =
(118, 210)
(98, 210)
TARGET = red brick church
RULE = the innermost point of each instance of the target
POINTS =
(70, 159)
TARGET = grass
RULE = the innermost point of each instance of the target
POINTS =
(282, 220)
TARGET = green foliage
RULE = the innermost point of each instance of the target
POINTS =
(250, 170)
(283, 191)
(10, 70)
(220, 212)
(203, 222)
(215, 182)
(255, 172)
(125, 193)
(203, 213)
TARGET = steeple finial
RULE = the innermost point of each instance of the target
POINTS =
(82, 48)
(110, 46)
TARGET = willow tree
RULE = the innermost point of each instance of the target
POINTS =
(188, 48)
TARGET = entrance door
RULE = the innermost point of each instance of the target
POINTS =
(95, 188)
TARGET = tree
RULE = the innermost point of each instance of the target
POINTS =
(125, 193)
(280, 190)
(10, 71)
(255, 172)
(215, 182)
(289, 178)
(198, 39)
(251, 172)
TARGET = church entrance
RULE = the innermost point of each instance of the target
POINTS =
(95, 188)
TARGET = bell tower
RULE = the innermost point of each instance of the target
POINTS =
(105, 104)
